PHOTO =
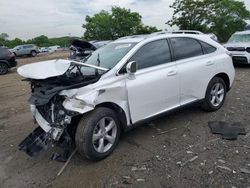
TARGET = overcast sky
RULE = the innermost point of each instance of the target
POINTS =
(30, 18)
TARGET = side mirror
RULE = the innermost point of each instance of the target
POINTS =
(131, 67)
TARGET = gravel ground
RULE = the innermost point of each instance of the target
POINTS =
(185, 155)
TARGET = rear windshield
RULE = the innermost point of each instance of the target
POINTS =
(239, 38)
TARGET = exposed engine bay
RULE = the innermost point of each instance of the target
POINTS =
(47, 108)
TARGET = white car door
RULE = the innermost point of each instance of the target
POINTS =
(154, 88)
(196, 67)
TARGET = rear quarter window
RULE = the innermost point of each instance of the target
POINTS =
(207, 48)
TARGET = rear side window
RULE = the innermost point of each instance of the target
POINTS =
(207, 48)
(152, 54)
(186, 47)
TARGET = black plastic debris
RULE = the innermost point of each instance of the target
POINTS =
(60, 158)
(35, 142)
(228, 130)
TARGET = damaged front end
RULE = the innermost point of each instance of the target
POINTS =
(47, 103)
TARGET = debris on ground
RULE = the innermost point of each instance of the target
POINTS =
(143, 168)
(140, 180)
(173, 129)
(225, 168)
(127, 180)
(221, 161)
(67, 162)
(244, 170)
(228, 130)
(247, 135)
(188, 161)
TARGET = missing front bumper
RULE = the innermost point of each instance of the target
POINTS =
(42, 137)
(35, 142)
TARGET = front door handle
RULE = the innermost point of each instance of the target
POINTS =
(209, 63)
(172, 73)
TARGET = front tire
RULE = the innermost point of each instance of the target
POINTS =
(3, 68)
(215, 95)
(98, 134)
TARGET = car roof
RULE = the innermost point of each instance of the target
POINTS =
(157, 35)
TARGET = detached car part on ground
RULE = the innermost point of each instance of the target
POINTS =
(122, 84)
(7, 60)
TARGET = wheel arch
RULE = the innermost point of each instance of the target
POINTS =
(5, 62)
(118, 110)
(225, 78)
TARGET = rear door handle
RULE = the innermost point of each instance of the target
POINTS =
(209, 63)
(172, 73)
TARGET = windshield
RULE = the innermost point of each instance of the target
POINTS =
(239, 38)
(106, 57)
(109, 55)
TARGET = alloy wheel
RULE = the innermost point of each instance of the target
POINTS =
(217, 94)
(104, 134)
(3, 69)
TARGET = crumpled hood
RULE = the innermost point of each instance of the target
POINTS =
(237, 44)
(44, 69)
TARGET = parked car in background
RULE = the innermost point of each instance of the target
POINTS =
(54, 48)
(44, 49)
(80, 49)
(7, 60)
(124, 83)
(239, 46)
(27, 49)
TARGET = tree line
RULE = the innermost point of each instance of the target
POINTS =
(221, 17)
(40, 41)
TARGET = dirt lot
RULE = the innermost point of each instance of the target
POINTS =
(144, 158)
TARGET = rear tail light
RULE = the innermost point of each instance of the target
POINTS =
(229, 53)
(7, 52)
(248, 49)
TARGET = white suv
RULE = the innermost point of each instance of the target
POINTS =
(239, 46)
(122, 84)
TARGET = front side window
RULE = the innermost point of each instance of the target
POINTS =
(186, 47)
(152, 54)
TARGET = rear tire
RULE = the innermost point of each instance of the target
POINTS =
(3, 68)
(33, 53)
(215, 95)
(97, 134)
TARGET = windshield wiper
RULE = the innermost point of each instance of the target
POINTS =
(88, 65)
